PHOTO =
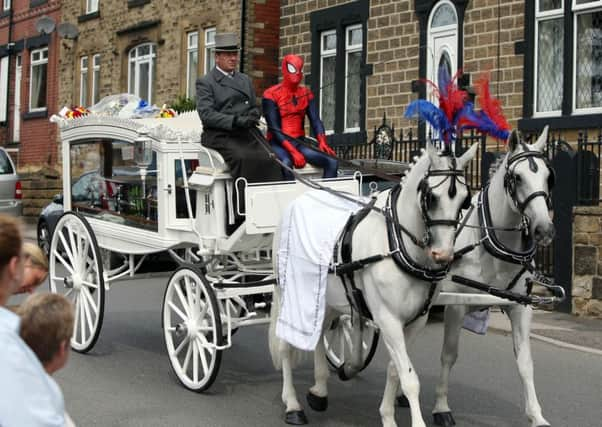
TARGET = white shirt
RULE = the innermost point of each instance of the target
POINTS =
(29, 397)
(225, 73)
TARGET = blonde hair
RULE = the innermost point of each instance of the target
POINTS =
(35, 255)
(46, 322)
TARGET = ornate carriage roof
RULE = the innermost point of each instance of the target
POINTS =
(185, 127)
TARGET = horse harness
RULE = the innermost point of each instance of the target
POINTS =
(397, 249)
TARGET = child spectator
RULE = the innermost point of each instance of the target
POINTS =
(35, 268)
(47, 326)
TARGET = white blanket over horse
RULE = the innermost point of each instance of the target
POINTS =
(310, 227)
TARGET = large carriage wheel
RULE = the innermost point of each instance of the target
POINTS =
(192, 328)
(76, 272)
(339, 347)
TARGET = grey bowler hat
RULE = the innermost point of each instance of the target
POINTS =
(226, 42)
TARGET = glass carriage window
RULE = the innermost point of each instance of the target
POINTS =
(444, 15)
(549, 64)
(37, 82)
(95, 79)
(192, 64)
(353, 64)
(106, 183)
(181, 205)
(328, 52)
(588, 60)
(209, 49)
(142, 71)
(83, 81)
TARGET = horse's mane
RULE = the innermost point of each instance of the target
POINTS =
(495, 166)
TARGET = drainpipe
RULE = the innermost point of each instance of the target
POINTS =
(9, 48)
(243, 13)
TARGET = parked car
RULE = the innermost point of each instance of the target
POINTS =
(10, 186)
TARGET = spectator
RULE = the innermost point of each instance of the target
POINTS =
(35, 268)
(28, 395)
(47, 326)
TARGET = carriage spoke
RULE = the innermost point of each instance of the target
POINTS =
(189, 296)
(89, 284)
(187, 358)
(76, 320)
(177, 311)
(181, 346)
(64, 263)
(82, 318)
(68, 248)
(195, 361)
(203, 357)
(182, 299)
(91, 301)
(87, 310)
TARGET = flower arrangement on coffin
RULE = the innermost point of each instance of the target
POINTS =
(73, 112)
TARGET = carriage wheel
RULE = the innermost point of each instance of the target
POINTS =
(337, 340)
(192, 328)
(76, 272)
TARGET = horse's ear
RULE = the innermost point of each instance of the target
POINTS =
(468, 156)
(432, 153)
(540, 144)
(514, 140)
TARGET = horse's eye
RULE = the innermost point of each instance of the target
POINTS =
(517, 178)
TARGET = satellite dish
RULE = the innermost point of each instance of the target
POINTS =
(67, 30)
(45, 25)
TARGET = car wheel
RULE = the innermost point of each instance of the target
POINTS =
(44, 237)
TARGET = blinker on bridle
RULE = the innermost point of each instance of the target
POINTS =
(510, 178)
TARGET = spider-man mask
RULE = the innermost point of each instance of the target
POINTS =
(292, 71)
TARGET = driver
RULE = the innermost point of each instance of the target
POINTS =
(285, 106)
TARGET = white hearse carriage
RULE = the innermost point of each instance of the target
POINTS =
(151, 187)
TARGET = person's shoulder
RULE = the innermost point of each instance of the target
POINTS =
(271, 92)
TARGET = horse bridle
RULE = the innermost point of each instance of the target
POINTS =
(427, 199)
(510, 179)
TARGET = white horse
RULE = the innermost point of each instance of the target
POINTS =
(518, 195)
(428, 204)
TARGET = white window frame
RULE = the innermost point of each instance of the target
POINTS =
(209, 49)
(134, 57)
(92, 6)
(83, 81)
(6, 5)
(191, 48)
(540, 17)
(325, 53)
(36, 63)
(95, 79)
(350, 49)
(594, 6)
(4, 65)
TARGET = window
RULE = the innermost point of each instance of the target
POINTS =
(565, 78)
(327, 78)
(4, 63)
(142, 71)
(6, 5)
(91, 6)
(192, 63)
(95, 79)
(338, 69)
(209, 49)
(37, 81)
(83, 81)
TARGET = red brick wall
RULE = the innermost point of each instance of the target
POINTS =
(38, 146)
(264, 32)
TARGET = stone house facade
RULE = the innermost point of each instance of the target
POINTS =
(29, 52)
(385, 47)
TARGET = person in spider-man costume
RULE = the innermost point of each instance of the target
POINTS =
(284, 107)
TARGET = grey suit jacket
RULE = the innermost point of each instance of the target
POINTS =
(220, 98)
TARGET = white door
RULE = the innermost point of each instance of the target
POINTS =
(17, 110)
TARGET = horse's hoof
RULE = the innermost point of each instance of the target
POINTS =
(296, 418)
(444, 419)
(402, 401)
(317, 403)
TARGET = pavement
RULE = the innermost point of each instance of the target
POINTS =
(559, 329)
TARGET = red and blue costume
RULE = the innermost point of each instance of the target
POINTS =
(285, 106)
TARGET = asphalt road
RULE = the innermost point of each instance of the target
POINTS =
(126, 379)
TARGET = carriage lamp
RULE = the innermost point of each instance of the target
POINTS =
(143, 156)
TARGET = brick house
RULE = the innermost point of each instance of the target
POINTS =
(365, 58)
(157, 49)
(28, 80)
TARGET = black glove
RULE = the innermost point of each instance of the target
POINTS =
(245, 122)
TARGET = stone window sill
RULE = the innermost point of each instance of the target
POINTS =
(35, 115)
(88, 16)
(137, 3)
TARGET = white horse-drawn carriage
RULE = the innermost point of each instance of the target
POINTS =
(155, 189)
